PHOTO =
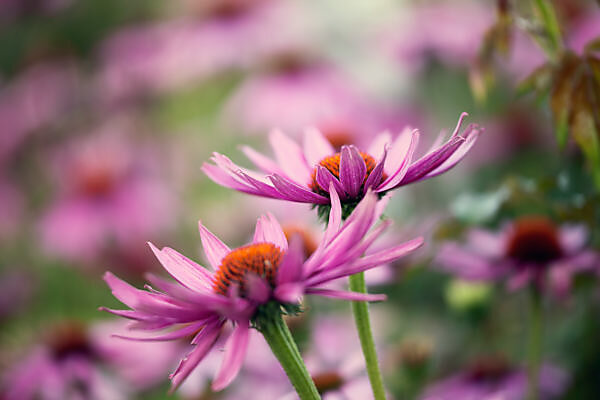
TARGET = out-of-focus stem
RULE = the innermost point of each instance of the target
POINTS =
(547, 16)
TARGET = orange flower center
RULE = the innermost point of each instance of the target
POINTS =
(534, 240)
(327, 381)
(332, 164)
(309, 244)
(261, 259)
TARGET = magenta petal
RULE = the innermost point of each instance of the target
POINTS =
(344, 295)
(264, 163)
(289, 292)
(316, 146)
(290, 157)
(352, 170)
(325, 179)
(459, 154)
(431, 161)
(335, 215)
(268, 230)
(206, 339)
(403, 152)
(183, 270)
(290, 269)
(386, 256)
(185, 331)
(258, 290)
(375, 176)
(214, 249)
(293, 192)
(235, 352)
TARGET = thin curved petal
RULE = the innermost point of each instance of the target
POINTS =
(235, 352)
(293, 192)
(325, 178)
(205, 341)
(185, 271)
(214, 248)
(404, 152)
(264, 163)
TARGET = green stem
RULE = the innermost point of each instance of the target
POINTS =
(535, 343)
(548, 18)
(363, 325)
(282, 344)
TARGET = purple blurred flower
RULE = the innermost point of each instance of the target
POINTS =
(524, 251)
(450, 31)
(250, 280)
(296, 93)
(172, 54)
(494, 379)
(65, 367)
(109, 191)
(35, 98)
(304, 175)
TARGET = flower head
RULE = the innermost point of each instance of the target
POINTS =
(493, 378)
(529, 249)
(305, 175)
(252, 283)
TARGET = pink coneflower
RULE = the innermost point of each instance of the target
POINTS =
(524, 251)
(304, 175)
(106, 187)
(65, 366)
(252, 284)
(493, 378)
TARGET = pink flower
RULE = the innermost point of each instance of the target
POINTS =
(172, 54)
(305, 174)
(108, 192)
(491, 379)
(263, 277)
(524, 251)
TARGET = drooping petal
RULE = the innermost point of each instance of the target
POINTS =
(268, 230)
(235, 352)
(459, 154)
(293, 192)
(214, 248)
(204, 342)
(290, 157)
(352, 170)
(316, 146)
(182, 332)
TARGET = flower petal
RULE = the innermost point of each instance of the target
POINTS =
(268, 230)
(352, 170)
(316, 146)
(290, 157)
(325, 178)
(264, 163)
(204, 342)
(185, 271)
(402, 153)
(235, 352)
(293, 192)
(214, 248)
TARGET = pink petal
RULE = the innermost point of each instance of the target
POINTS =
(258, 290)
(379, 144)
(402, 152)
(290, 269)
(293, 192)
(183, 270)
(375, 176)
(268, 230)
(352, 170)
(235, 352)
(289, 292)
(316, 146)
(290, 157)
(458, 155)
(264, 163)
(214, 249)
(205, 341)
(325, 178)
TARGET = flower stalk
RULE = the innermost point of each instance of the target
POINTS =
(535, 343)
(363, 325)
(282, 344)
(547, 17)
